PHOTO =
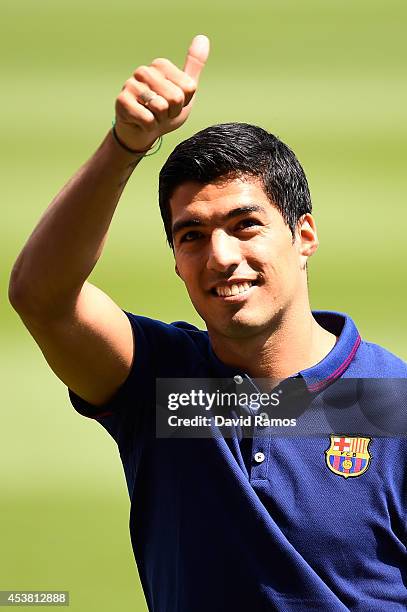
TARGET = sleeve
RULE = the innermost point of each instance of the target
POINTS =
(161, 350)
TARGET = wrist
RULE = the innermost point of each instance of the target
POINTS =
(150, 150)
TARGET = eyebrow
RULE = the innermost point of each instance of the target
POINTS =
(236, 212)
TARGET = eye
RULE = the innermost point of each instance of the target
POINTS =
(247, 224)
(190, 236)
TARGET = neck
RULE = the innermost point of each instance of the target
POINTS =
(296, 342)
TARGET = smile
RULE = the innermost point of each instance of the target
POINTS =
(232, 290)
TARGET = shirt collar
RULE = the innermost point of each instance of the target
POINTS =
(328, 370)
(339, 358)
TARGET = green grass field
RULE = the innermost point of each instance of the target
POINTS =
(327, 77)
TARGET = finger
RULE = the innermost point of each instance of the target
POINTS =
(159, 107)
(149, 98)
(129, 110)
(167, 89)
(176, 76)
(196, 57)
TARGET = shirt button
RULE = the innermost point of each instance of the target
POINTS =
(259, 457)
(238, 379)
(264, 417)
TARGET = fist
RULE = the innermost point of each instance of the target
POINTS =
(158, 98)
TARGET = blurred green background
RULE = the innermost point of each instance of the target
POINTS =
(327, 77)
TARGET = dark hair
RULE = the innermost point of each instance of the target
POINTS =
(232, 150)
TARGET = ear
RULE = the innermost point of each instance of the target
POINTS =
(177, 271)
(306, 238)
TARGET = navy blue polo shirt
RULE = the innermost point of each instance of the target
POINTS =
(283, 523)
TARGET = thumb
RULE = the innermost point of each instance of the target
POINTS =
(196, 57)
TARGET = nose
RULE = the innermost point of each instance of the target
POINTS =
(224, 252)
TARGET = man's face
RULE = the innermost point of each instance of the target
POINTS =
(237, 257)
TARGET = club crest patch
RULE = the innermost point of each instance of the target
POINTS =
(348, 456)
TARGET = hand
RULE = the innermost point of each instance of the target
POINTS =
(158, 98)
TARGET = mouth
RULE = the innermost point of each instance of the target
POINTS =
(236, 289)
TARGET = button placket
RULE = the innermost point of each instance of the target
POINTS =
(243, 409)
(261, 449)
(260, 453)
(261, 442)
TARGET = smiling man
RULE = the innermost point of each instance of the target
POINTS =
(242, 263)
(245, 517)
(235, 254)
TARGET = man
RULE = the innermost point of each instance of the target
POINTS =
(223, 522)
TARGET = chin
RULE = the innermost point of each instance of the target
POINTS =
(239, 327)
(245, 324)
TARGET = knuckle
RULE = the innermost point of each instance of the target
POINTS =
(121, 99)
(149, 119)
(177, 98)
(161, 104)
(160, 62)
(189, 86)
(124, 110)
(125, 105)
(128, 83)
(141, 72)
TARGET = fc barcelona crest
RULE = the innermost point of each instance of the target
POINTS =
(348, 456)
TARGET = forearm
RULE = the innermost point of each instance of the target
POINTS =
(68, 240)
(65, 245)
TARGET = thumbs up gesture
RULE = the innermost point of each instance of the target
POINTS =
(158, 98)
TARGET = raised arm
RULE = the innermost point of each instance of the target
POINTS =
(83, 334)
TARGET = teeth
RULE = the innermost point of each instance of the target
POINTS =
(234, 289)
